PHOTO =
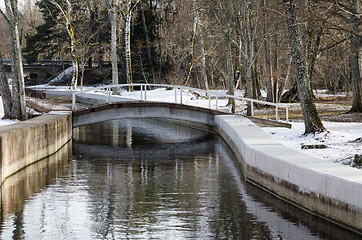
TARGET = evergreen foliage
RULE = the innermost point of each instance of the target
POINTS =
(46, 41)
(50, 39)
(143, 70)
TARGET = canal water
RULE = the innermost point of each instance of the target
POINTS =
(147, 179)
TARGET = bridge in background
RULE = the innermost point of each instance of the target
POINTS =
(39, 71)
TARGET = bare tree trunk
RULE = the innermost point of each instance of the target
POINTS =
(312, 121)
(267, 60)
(248, 42)
(203, 58)
(275, 67)
(192, 54)
(5, 91)
(355, 51)
(147, 40)
(113, 20)
(230, 69)
(19, 104)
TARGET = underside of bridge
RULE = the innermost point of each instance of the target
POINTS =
(195, 116)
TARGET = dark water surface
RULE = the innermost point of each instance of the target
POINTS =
(147, 179)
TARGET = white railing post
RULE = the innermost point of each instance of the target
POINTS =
(252, 108)
(141, 92)
(175, 94)
(286, 113)
(181, 95)
(208, 94)
(145, 92)
(109, 95)
(276, 113)
(243, 107)
(217, 105)
(73, 100)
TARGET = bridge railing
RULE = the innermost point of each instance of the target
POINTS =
(209, 94)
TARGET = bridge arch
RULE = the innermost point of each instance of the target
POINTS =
(195, 116)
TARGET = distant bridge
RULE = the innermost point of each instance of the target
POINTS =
(41, 70)
(44, 69)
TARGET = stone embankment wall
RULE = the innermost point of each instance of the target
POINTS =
(25, 143)
(327, 189)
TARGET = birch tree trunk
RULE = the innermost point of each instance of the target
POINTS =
(312, 121)
(113, 21)
(5, 91)
(66, 14)
(128, 42)
(19, 104)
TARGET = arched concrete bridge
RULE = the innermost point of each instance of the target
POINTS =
(196, 116)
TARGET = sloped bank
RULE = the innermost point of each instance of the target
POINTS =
(330, 190)
(27, 142)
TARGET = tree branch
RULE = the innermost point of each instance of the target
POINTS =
(335, 44)
(3, 14)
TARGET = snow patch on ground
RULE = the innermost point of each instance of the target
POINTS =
(338, 139)
(325, 94)
(4, 122)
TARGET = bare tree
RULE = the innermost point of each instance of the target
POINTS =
(147, 40)
(223, 15)
(129, 8)
(66, 12)
(113, 19)
(312, 121)
(356, 54)
(18, 89)
(349, 13)
(193, 57)
(203, 57)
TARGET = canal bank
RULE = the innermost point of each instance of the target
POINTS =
(27, 142)
(329, 190)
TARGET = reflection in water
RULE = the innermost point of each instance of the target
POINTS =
(144, 179)
(19, 188)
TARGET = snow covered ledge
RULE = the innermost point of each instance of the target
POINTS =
(331, 190)
(27, 142)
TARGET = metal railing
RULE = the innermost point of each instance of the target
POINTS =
(209, 94)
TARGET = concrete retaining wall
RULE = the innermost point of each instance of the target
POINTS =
(328, 189)
(27, 142)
